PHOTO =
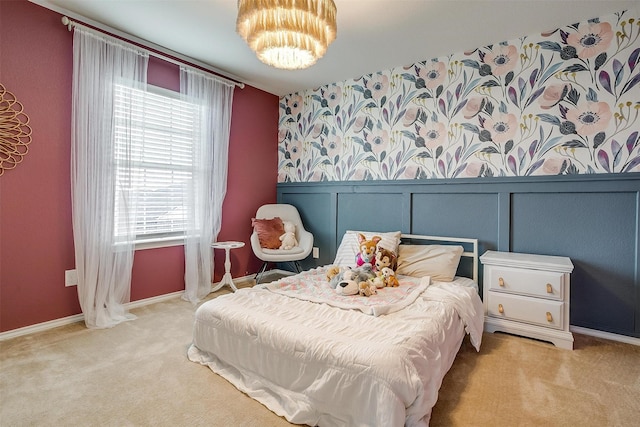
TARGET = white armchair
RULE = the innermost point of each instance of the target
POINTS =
(304, 238)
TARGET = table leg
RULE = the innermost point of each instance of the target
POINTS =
(226, 279)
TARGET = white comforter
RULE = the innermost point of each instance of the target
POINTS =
(320, 365)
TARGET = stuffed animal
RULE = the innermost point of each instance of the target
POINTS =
(367, 289)
(378, 281)
(334, 275)
(367, 249)
(349, 283)
(288, 239)
(385, 258)
(390, 278)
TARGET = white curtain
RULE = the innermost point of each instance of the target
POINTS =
(103, 262)
(205, 196)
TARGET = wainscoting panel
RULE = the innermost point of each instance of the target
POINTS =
(597, 230)
(593, 219)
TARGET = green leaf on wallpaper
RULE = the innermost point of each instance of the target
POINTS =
(598, 139)
(490, 150)
(471, 63)
(470, 127)
(600, 60)
(409, 77)
(439, 90)
(573, 96)
(592, 96)
(423, 155)
(424, 95)
(550, 46)
(508, 78)
(439, 151)
(490, 83)
(503, 107)
(508, 146)
(574, 143)
(575, 68)
(549, 119)
(358, 88)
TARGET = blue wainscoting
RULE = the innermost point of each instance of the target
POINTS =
(593, 219)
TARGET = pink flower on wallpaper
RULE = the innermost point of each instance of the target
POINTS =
(333, 95)
(552, 166)
(552, 95)
(502, 59)
(472, 107)
(410, 116)
(359, 123)
(433, 74)
(473, 169)
(434, 134)
(378, 85)
(590, 117)
(317, 130)
(282, 134)
(295, 104)
(295, 150)
(502, 128)
(410, 172)
(333, 146)
(379, 140)
(591, 39)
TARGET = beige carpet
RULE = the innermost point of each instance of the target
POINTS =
(137, 374)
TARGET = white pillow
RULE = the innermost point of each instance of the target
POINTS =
(438, 261)
(349, 247)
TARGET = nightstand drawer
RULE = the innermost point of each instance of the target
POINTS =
(523, 309)
(544, 284)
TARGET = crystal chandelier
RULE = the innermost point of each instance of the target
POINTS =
(287, 34)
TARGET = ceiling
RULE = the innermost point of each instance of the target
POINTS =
(373, 35)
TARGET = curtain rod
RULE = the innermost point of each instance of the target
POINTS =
(185, 60)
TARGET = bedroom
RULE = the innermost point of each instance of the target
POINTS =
(36, 224)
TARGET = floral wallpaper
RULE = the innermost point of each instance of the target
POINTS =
(561, 102)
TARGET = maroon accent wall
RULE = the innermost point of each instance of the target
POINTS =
(36, 238)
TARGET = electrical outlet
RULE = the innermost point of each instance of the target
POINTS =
(70, 278)
(316, 252)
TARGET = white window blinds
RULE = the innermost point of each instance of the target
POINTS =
(162, 129)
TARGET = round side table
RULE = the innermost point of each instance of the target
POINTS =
(226, 279)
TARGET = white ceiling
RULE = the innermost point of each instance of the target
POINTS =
(373, 35)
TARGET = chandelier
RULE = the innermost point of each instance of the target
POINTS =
(287, 34)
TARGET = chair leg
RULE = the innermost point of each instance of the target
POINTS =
(261, 272)
(296, 264)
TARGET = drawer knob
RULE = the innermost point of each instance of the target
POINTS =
(549, 288)
(501, 309)
(549, 317)
(501, 281)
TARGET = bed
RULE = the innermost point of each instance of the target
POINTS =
(318, 359)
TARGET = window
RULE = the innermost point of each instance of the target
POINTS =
(163, 129)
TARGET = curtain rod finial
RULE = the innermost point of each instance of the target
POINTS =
(67, 22)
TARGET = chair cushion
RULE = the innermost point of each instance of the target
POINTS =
(269, 231)
(284, 252)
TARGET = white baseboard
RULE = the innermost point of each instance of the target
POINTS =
(44, 326)
(605, 335)
(40, 327)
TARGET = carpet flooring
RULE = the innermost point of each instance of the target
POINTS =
(137, 374)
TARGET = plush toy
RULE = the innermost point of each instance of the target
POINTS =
(288, 239)
(390, 278)
(351, 278)
(367, 289)
(385, 258)
(334, 275)
(378, 281)
(367, 248)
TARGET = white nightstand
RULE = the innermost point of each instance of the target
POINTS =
(528, 295)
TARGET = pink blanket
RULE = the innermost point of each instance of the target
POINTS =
(313, 286)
